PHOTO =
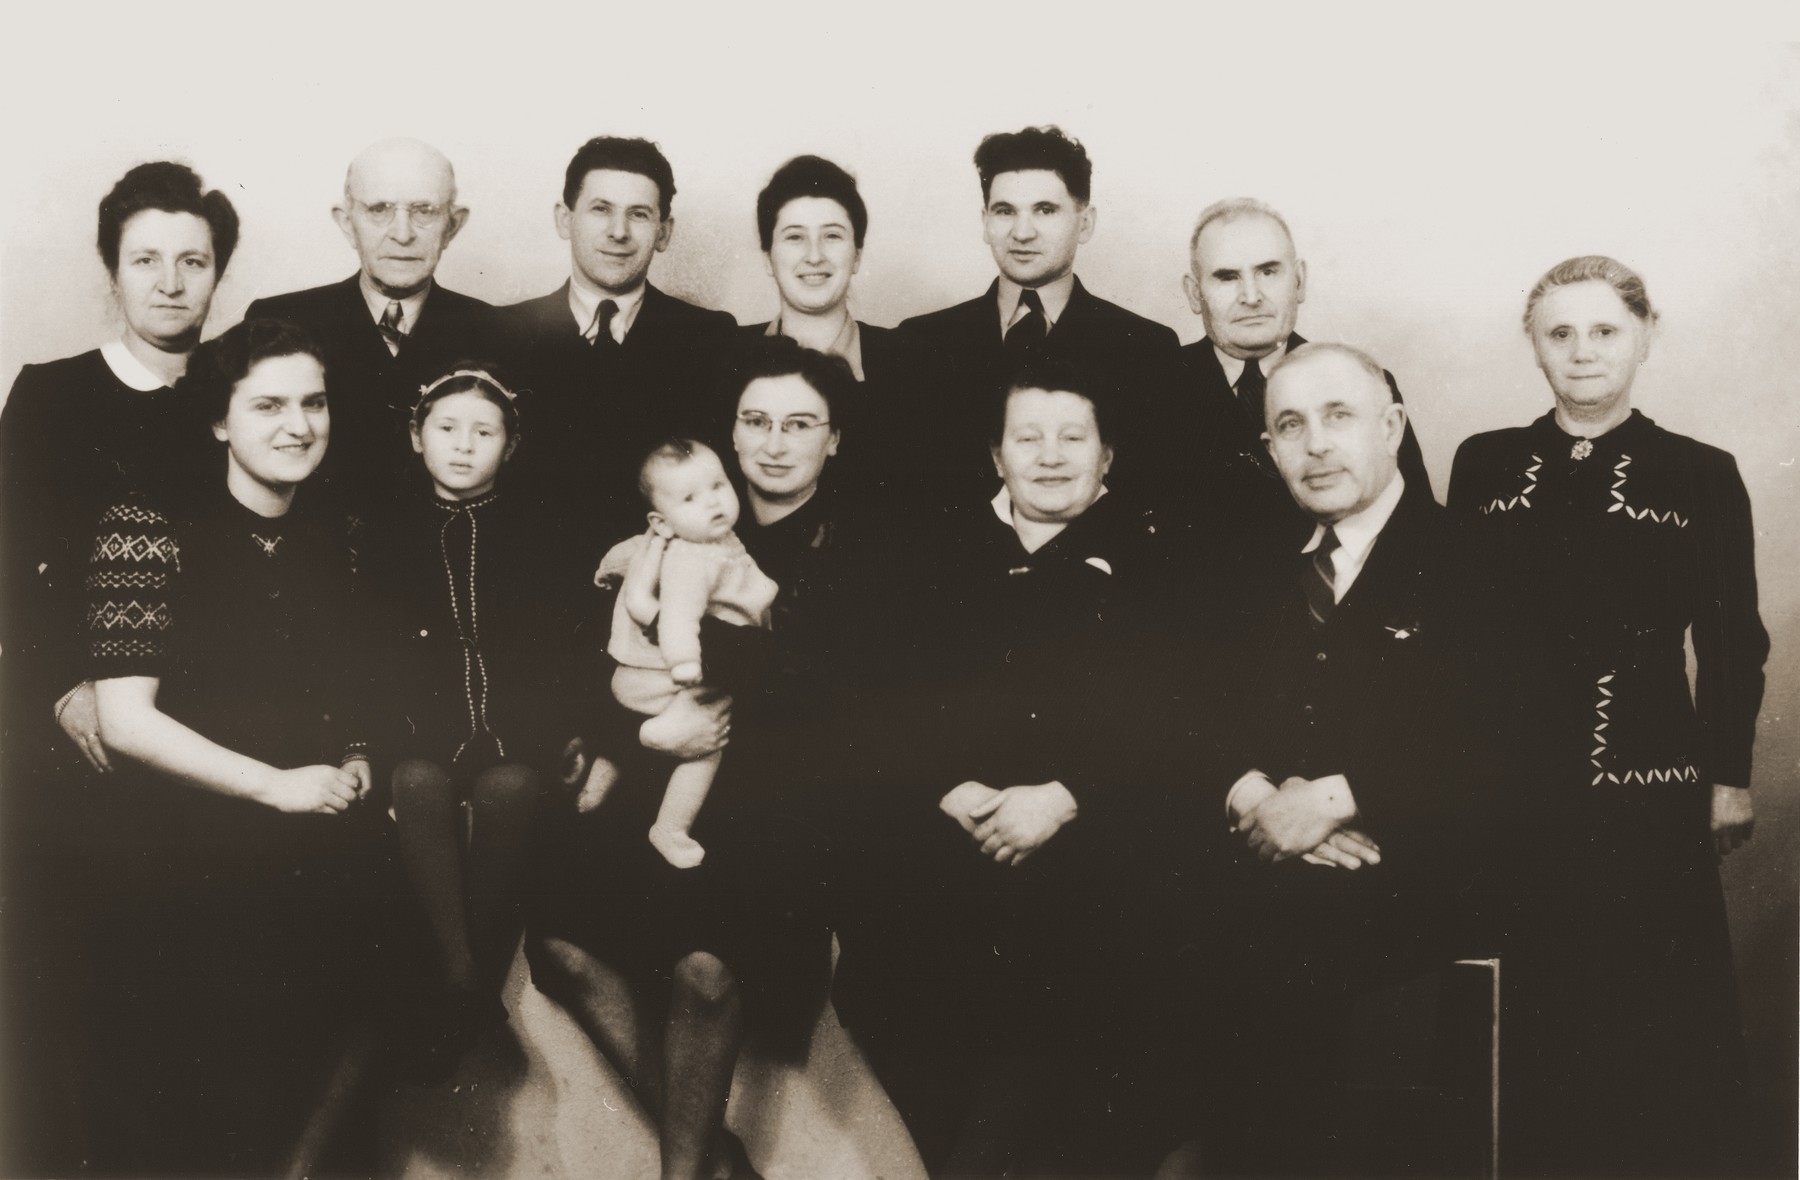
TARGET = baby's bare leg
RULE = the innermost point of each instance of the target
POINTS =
(681, 803)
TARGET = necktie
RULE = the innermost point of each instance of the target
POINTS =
(1317, 578)
(390, 325)
(600, 334)
(1031, 330)
(1251, 387)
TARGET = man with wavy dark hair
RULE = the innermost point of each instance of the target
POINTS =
(1036, 188)
(613, 362)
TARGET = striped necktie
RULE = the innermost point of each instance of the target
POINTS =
(392, 327)
(1317, 578)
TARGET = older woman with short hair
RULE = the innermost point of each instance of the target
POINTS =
(78, 432)
(74, 435)
(1612, 540)
(983, 970)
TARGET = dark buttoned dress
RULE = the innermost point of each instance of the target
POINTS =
(1609, 553)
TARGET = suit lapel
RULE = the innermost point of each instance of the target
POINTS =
(984, 324)
(550, 315)
(652, 318)
(1078, 315)
(1387, 573)
(434, 322)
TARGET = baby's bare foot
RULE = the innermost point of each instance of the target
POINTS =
(676, 846)
(600, 779)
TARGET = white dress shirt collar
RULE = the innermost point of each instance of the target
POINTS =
(584, 304)
(410, 307)
(1356, 536)
(127, 368)
(1055, 296)
(847, 345)
(1234, 366)
(1033, 536)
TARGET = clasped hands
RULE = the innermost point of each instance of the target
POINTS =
(1309, 818)
(1009, 824)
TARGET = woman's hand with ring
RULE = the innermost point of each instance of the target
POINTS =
(79, 717)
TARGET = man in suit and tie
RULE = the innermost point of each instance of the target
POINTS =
(1350, 762)
(389, 328)
(1211, 469)
(1036, 215)
(615, 364)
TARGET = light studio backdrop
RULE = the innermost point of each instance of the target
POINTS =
(1432, 166)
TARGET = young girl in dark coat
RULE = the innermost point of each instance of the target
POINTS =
(471, 649)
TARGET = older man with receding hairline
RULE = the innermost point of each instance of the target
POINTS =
(1349, 773)
(390, 327)
(1246, 282)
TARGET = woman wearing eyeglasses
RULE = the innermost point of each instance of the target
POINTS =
(740, 945)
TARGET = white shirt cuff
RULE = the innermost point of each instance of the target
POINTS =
(1250, 789)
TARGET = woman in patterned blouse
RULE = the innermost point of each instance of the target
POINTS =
(232, 853)
(1612, 541)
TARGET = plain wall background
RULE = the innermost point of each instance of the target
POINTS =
(1432, 166)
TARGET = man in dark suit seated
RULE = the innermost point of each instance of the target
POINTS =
(389, 328)
(1246, 283)
(1035, 189)
(1347, 762)
(614, 364)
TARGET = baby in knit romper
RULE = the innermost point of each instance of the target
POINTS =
(690, 563)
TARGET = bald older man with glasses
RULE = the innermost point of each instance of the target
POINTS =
(390, 327)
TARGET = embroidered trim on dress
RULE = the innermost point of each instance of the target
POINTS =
(1600, 707)
(1676, 774)
(1639, 513)
(1523, 499)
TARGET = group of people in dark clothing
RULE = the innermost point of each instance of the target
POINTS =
(1122, 712)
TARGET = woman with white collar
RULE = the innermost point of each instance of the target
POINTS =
(75, 435)
(984, 969)
(78, 433)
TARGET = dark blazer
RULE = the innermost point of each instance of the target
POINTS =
(1381, 694)
(1229, 496)
(595, 411)
(372, 392)
(1132, 358)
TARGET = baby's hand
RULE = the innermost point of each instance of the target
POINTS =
(686, 673)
